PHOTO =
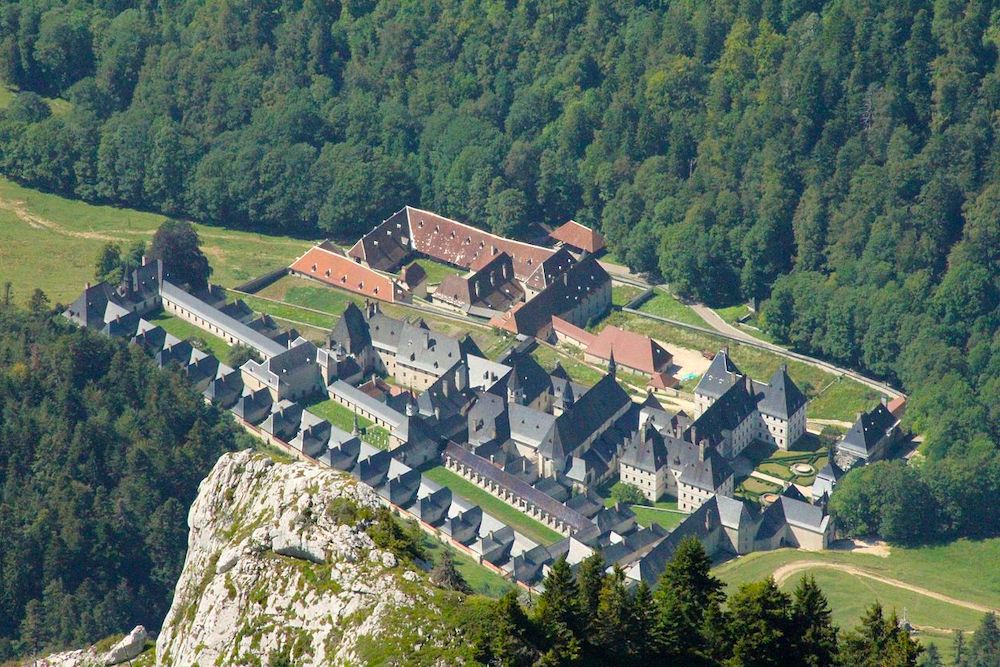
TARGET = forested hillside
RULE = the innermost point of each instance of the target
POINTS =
(100, 457)
(838, 158)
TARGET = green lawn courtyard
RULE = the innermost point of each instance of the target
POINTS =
(515, 518)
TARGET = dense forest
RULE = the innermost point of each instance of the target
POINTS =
(835, 160)
(100, 457)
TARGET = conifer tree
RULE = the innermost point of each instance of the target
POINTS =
(984, 649)
(761, 624)
(879, 641)
(612, 623)
(446, 575)
(558, 614)
(590, 579)
(686, 589)
(815, 633)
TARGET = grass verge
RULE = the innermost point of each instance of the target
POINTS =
(513, 517)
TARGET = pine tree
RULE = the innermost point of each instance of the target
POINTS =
(879, 642)
(642, 618)
(686, 590)
(761, 624)
(558, 615)
(507, 645)
(931, 657)
(590, 579)
(446, 575)
(984, 649)
(959, 648)
(816, 634)
(612, 623)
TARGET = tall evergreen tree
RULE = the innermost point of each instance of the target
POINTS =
(686, 589)
(590, 579)
(761, 625)
(815, 634)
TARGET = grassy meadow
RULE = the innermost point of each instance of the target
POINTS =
(958, 569)
(52, 242)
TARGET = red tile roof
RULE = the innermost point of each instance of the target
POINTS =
(631, 349)
(574, 234)
(467, 246)
(570, 330)
(335, 269)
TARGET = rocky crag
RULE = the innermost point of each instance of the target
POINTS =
(273, 576)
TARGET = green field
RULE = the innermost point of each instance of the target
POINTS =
(513, 517)
(649, 515)
(436, 271)
(52, 242)
(577, 370)
(186, 331)
(301, 298)
(853, 397)
(482, 580)
(343, 418)
(621, 295)
(666, 305)
(962, 570)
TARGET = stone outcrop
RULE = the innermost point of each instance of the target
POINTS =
(269, 571)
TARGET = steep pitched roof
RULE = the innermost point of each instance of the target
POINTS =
(351, 331)
(725, 414)
(646, 450)
(574, 234)
(387, 245)
(781, 397)
(722, 374)
(870, 427)
(550, 269)
(707, 475)
(576, 284)
(589, 413)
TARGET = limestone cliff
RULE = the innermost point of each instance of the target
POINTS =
(271, 576)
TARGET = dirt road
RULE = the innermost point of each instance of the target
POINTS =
(785, 572)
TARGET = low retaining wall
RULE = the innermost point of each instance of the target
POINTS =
(257, 284)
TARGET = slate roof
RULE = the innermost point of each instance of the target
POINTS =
(707, 475)
(213, 316)
(387, 245)
(722, 374)
(574, 234)
(491, 286)
(487, 420)
(550, 269)
(725, 414)
(645, 450)
(519, 488)
(586, 416)
(870, 427)
(576, 284)
(351, 331)
(341, 389)
(528, 425)
(781, 397)
(699, 524)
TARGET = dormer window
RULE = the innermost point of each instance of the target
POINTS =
(327, 273)
(314, 268)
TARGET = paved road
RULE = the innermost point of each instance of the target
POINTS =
(784, 572)
(725, 327)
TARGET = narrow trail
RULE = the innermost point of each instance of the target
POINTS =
(785, 572)
(20, 209)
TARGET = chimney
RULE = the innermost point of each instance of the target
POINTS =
(749, 383)
(144, 260)
(885, 400)
(694, 434)
(725, 350)
(86, 285)
(701, 450)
